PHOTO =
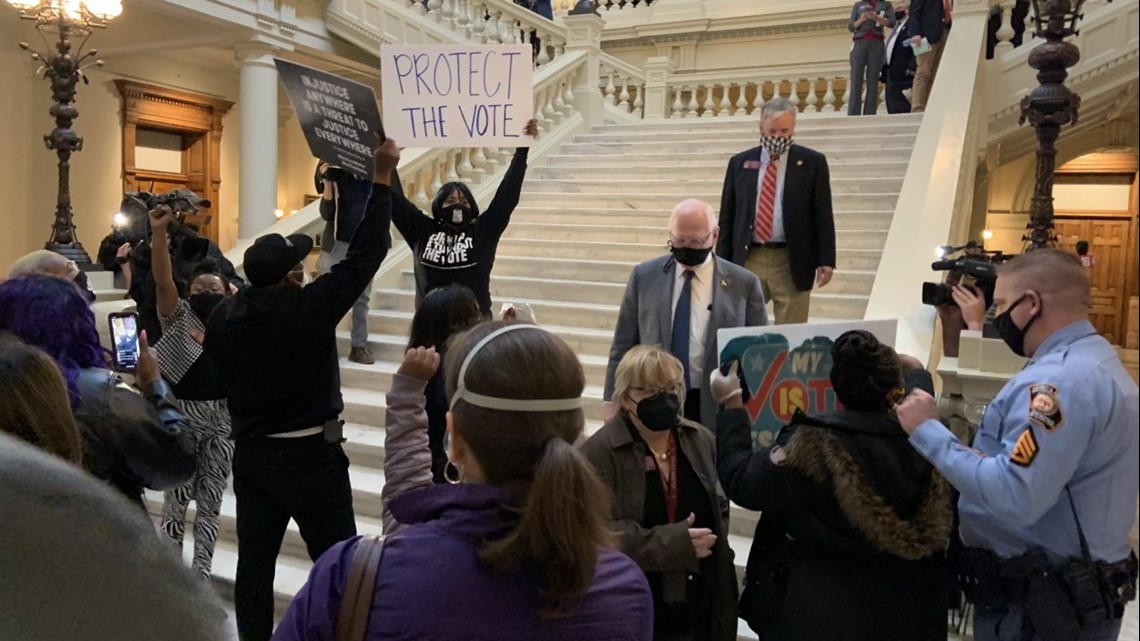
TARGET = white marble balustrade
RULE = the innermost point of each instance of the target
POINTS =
(622, 85)
(726, 98)
(496, 22)
(604, 6)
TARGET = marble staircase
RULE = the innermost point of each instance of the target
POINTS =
(587, 215)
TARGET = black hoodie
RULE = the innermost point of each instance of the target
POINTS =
(275, 347)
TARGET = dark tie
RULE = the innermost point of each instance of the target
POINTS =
(681, 319)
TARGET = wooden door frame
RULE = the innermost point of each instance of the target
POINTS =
(1132, 252)
(180, 112)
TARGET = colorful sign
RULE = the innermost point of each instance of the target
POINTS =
(458, 95)
(788, 367)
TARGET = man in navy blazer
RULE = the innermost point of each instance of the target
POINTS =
(777, 221)
(899, 70)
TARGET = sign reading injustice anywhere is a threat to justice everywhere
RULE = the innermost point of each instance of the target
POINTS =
(788, 367)
(458, 95)
(339, 116)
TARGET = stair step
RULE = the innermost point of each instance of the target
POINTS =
(650, 200)
(657, 169)
(808, 136)
(859, 162)
(807, 122)
(829, 148)
(846, 218)
(645, 234)
(555, 182)
(389, 328)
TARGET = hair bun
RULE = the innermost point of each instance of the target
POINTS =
(855, 347)
(206, 266)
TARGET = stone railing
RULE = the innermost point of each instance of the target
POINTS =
(604, 6)
(494, 22)
(622, 85)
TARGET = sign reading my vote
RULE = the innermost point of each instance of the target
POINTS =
(457, 95)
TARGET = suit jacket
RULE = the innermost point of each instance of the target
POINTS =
(900, 70)
(646, 316)
(809, 224)
(926, 20)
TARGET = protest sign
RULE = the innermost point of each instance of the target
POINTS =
(458, 95)
(788, 367)
(339, 116)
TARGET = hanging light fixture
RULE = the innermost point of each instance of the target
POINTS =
(64, 68)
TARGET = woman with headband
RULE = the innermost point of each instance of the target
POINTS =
(515, 547)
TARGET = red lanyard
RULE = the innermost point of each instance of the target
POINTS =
(669, 485)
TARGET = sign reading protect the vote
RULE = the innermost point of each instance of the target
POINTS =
(458, 95)
(787, 368)
(339, 116)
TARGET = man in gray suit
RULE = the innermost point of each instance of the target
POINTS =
(680, 300)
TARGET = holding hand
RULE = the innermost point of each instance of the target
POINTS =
(385, 158)
(147, 371)
(160, 219)
(725, 387)
(917, 408)
(703, 539)
(531, 129)
(123, 251)
(973, 306)
(420, 362)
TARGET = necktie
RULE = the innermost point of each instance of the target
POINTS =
(681, 324)
(766, 202)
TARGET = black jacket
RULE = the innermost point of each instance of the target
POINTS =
(274, 348)
(809, 224)
(444, 256)
(131, 440)
(901, 69)
(853, 517)
(927, 20)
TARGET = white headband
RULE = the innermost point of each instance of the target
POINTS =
(507, 404)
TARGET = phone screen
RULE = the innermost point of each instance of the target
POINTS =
(125, 338)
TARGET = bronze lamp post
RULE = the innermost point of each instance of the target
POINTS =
(1050, 106)
(63, 67)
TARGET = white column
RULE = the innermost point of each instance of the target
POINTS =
(257, 105)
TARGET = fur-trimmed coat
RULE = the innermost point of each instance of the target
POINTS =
(854, 528)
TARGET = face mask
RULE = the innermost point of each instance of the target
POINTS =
(203, 304)
(899, 15)
(1013, 335)
(691, 256)
(659, 412)
(776, 145)
(458, 215)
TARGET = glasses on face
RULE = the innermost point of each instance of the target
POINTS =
(689, 242)
(675, 388)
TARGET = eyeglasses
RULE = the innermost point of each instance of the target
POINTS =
(689, 242)
(675, 388)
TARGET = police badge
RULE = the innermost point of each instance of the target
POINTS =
(1045, 406)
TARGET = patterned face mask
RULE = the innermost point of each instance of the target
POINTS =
(776, 145)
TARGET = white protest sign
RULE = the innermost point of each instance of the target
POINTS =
(457, 95)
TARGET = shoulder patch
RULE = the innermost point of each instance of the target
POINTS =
(1045, 407)
(1025, 450)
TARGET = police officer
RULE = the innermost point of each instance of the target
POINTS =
(1049, 489)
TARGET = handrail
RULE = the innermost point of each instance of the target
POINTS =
(937, 193)
(492, 22)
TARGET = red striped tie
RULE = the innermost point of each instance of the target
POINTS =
(766, 203)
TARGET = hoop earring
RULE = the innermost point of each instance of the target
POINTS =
(452, 473)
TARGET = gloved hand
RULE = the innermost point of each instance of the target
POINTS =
(725, 386)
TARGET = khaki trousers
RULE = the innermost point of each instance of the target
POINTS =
(926, 67)
(774, 270)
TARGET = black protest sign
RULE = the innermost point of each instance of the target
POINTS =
(338, 116)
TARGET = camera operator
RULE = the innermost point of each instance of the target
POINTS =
(1048, 490)
(274, 346)
(343, 199)
(187, 250)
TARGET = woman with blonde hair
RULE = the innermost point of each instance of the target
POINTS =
(515, 547)
(669, 509)
(34, 405)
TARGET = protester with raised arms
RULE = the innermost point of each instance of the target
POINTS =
(457, 243)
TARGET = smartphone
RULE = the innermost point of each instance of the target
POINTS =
(125, 340)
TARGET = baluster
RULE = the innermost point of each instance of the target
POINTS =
(492, 31)
(478, 23)
(812, 98)
(463, 18)
(882, 94)
(465, 168)
(725, 103)
(508, 31)
(758, 99)
(623, 97)
(678, 108)
(421, 196)
(480, 162)
(742, 100)
(548, 107)
(436, 178)
(494, 157)
(1005, 32)
(452, 172)
(611, 99)
(693, 106)
(560, 105)
(419, 7)
(709, 107)
(846, 97)
(559, 48)
(776, 89)
(543, 49)
(829, 97)
(448, 14)
(433, 7)
(568, 94)
(638, 102)
(794, 93)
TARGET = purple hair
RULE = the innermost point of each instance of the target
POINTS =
(52, 314)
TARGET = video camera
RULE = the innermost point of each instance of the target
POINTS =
(186, 246)
(975, 269)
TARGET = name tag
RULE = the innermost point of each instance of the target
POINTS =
(752, 164)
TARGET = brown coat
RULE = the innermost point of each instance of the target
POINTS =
(620, 462)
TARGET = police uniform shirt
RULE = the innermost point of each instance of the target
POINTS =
(1071, 416)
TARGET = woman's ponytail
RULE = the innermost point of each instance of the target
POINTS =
(562, 526)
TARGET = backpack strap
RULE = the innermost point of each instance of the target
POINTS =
(356, 602)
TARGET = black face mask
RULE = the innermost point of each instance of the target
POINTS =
(204, 303)
(691, 256)
(457, 216)
(660, 412)
(899, 15)
(1013, 335)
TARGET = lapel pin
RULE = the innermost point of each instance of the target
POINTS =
(799, 163)
(724, 282)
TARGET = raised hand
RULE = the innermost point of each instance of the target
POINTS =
(531, 129)
(420, 362)
(160, 218)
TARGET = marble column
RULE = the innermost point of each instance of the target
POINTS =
(257, 104)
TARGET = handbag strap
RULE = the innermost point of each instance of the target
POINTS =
(356, 602)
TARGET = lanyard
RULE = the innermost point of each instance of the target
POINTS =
(670, 485)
